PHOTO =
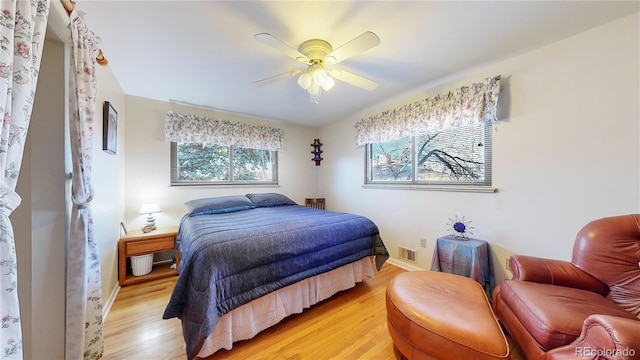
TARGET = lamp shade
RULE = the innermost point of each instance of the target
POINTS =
(328, 83)
(314, 88)
(305, 80)
(149, 208)
(320, 76)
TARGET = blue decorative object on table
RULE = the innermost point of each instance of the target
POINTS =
(459, 227)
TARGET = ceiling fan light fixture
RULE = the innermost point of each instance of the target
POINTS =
(320, 76)
(314, 81)
(305, 80)
(328, 84)
(316, 53)
(314, 88)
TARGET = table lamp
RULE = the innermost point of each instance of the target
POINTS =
(149, 209)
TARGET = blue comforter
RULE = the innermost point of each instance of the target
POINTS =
(230, 259)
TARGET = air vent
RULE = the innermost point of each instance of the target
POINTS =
(407, 254)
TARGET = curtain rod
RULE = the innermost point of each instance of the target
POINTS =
(68, 5)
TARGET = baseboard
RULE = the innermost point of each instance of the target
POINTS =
(106, 307)
(404, 265)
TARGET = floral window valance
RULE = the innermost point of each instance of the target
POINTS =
(195, 129)
(468, 105)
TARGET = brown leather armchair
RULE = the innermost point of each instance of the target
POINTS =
(588, 308)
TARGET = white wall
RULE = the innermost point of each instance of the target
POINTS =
(108, 181)
(566, 152)
(148, 162)
(40, 222)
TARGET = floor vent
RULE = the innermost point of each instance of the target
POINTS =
(407, 254)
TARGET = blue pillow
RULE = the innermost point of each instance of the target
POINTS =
(218, 205)
(270, 199)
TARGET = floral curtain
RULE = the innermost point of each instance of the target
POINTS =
(195, 129)
(468, 105)
(84, 338)
(22, 29)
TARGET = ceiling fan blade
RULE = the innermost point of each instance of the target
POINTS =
(357, 45)
(354, 79)
(275, 78)
(275, 43)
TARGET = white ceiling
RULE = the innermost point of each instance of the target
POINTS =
(204, 52)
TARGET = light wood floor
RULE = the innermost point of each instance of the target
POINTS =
(349, 325)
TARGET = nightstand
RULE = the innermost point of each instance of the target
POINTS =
(470, 258)
(139, 243)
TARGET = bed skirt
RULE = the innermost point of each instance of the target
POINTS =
(248, 320)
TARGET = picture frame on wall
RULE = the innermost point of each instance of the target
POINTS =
(109, 128)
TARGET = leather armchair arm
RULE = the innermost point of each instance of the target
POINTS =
(603, 337)
(554, 272)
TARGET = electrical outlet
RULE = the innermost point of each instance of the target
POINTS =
(506, 263)
(423, 243)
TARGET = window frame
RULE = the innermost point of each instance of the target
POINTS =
(485, 185)
(176, 182)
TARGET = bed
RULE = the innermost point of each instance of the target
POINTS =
(249, 261)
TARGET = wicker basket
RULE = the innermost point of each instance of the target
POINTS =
(141, 264)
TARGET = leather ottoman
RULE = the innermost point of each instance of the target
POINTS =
(434, 315)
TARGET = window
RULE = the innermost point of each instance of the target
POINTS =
(201, 164)
(455, 156)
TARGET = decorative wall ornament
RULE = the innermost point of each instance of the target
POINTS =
(465, 106)
(316, 151)
(460, 228)
(187, 128)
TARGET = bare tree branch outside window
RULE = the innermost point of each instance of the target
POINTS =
(457, 156)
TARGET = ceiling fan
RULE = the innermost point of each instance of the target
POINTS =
(316, 54)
